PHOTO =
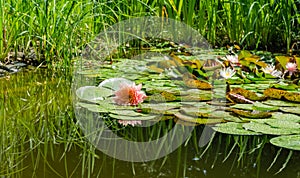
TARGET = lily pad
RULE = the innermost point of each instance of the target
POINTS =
(292, 96)
(294, 110)
(93, 94)
(248, 94)
(267, 129)
(287, 141)
(243, 106)
(93, 107)
(287, 117)
(220, 114)
(251, 114)
(283, 60)
(194, 104)
(283, 124)
(198, 112)
(262, 107)
(196, 120)
(190, 98)
(279, 103)
(161, 97)
(285, 86)
(195, 83)
(274, 93)
(160, 108)
(233, 128)
(126, 113)
(142, 117)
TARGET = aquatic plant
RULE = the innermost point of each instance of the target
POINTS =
(132, 123)
(36, 28)
(129, 94)
(233, 59)
(227, 72)
(291, 68)
(269, 69)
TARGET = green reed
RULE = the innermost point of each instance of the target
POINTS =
(58, 30)
(33, 115)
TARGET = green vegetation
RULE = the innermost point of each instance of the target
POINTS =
(56, 31)
(40, 133)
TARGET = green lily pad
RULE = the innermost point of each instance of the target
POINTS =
(287, 141)
(155, 90)
(142, 117)
(243, 106)
(267, 129)
(283, 60)
(198, 112)
(197, 120)
(93, 94)
(233, 128)
(234, 119)
(283, 124)
(126, 113)
(287, 117)
(285, 86)
(195, 104)
(190, 98)
(294, 110)
(104, 106)
(262, 107)
(220, 114)
(279, 103)
(251, 114)
(160, 108)
(93, 107)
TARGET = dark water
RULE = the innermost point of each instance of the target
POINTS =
(60, 153)
(181, 163)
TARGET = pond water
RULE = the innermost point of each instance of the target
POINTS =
(40, 137)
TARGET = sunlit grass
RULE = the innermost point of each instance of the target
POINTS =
(58, 30)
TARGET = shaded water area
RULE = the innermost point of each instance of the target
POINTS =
(40, 137)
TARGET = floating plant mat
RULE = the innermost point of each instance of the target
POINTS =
(179, 88)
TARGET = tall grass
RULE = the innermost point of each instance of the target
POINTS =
(59, 30)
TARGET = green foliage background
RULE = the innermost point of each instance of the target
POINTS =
(57, 30)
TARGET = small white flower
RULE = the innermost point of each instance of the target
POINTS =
(276, 73)
(227, 73)
(233, 58)
(269, 69)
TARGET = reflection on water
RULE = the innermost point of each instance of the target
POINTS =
(181, 163)
(40, 138)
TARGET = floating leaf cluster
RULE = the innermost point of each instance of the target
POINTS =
(191, 90)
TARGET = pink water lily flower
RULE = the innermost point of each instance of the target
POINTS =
(129, 94)
(291, 67)
(234, 59)
(133, 123)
